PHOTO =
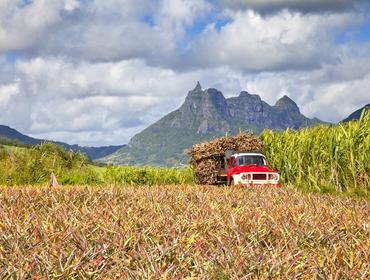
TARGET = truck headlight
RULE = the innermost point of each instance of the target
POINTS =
(274, 176)
(246, 176)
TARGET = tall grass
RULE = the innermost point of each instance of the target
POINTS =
(128, 175)
(323, 158)
(33, 165)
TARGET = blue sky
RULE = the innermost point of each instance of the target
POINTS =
(97, 72)
(358, 33)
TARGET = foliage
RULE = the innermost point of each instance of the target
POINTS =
(11, 142)
(126, 175)
(175, 232)
(323, 158)
(35, 164)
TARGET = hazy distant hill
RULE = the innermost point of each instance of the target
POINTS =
(356, 114)
(92, 152)
(11, 133)
(204, 115)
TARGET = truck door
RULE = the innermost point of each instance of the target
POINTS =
(230, 169)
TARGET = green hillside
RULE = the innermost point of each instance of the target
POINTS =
(11, 136)
(357, 114)
(158, 147)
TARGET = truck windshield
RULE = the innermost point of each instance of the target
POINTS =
(251, 160)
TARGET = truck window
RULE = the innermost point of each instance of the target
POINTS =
(251, 160)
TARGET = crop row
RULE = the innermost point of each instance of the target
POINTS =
(173, 232)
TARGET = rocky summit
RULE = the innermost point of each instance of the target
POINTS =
(206, 114)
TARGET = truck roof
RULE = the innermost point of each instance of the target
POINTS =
(248, 154)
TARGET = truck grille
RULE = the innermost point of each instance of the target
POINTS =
(259, 176)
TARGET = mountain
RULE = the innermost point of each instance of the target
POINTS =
(204, 115)
(93, 152)
(356, 114)
(12, 134)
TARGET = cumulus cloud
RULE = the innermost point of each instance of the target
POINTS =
(22, 27)
(184, 11)
(269, 6)
(283, 41)
(7, 92)
(98, 30)
(175, 15)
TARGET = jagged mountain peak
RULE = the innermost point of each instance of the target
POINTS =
(247, 95)
(198, 97)
(203, 111)
(286, 103)
(213, 92)
(198, 87)
(194, 94)
(285, 99)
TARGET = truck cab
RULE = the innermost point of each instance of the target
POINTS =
(250, 169)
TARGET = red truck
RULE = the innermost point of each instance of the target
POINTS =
(248, 169)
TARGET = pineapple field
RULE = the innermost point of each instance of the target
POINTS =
(181, 232)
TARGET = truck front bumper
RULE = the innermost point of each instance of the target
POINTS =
(251, 183)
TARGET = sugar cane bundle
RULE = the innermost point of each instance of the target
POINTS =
(206, 158)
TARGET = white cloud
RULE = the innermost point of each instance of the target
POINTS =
(23, 27)
(7, 92)
(71, 5)
(174, 16)
(280, 42)
(185, 11)
(335, 101)
(56, 76)
(101, 30)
